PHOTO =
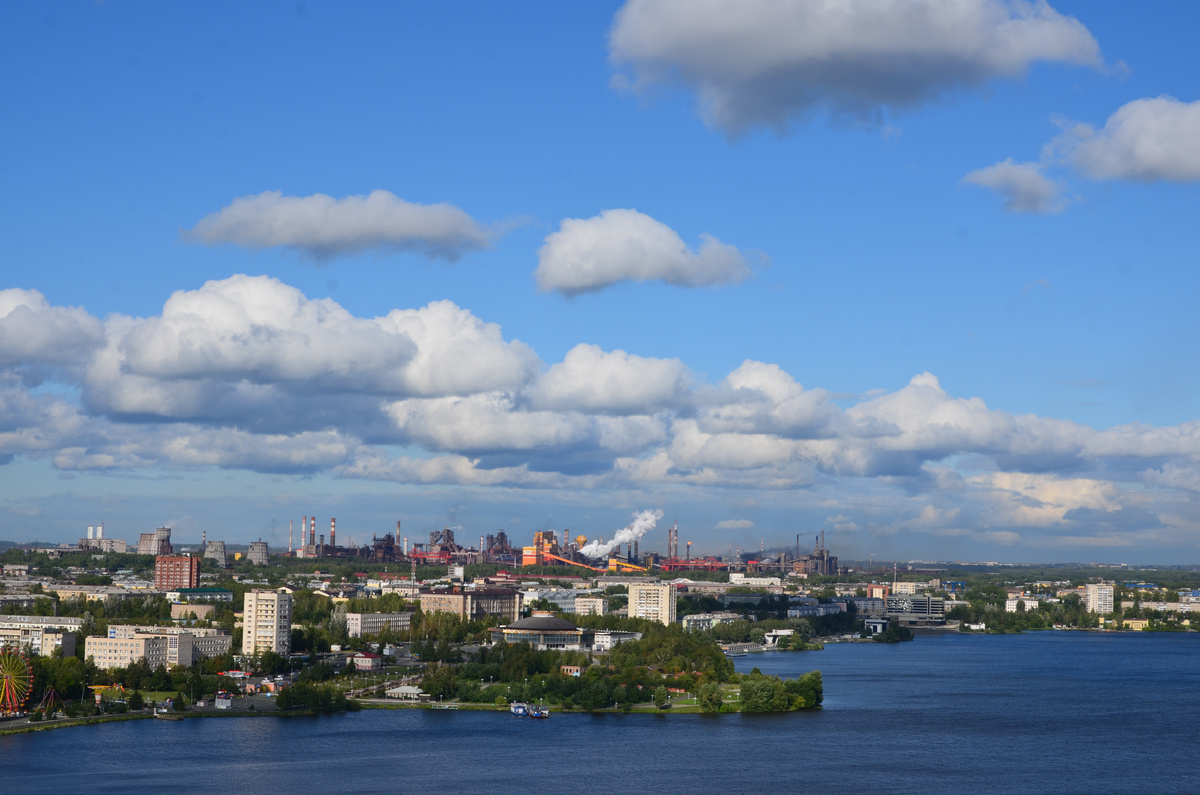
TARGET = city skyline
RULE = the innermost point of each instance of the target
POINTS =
(915, 278)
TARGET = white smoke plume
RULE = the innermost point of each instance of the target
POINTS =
(643, 522)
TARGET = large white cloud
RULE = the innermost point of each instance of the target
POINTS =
(625, 245)
(323, 227)
(1146, 140)
(253, 342)
(590, 379)
(765, 61)
(33, 331)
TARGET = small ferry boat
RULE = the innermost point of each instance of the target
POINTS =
(539, 712)
(519, 708)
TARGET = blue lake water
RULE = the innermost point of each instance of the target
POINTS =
(1064, 712)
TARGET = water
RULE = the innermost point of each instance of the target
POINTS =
(1067, 712)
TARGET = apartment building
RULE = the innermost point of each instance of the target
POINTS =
(590, 605)
(471, 604)
(176, 571)
(652, 602)
(185, 645)
(120, 652)
(1098, 598)
(267, 622)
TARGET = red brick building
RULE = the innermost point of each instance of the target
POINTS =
(176, 571)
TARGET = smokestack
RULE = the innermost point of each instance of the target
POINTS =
(203, 541)
(90, 529)
(303, 530)
(397, 528)
(405, 542)
(312, 531)
(635, 550)
(332, 532)
(290, 521)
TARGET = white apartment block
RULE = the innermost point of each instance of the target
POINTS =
(359, 624)
(1099, 598)
(1010, 605)
(652, 602)
(120, 652)
(267, 622)
(184, 644)
(590, 605)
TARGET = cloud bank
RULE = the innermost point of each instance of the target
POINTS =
(249, 374)
(322, 227)
(765, 62)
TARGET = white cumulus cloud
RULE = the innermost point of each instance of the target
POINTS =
(591, 379)
(1147, 140)
(625, 245)
(1023, 185)
(33, 331)
(324, 227)
(766, 61)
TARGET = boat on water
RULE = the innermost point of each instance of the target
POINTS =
(168, 716)
(539, 712)
(445, 706)
(519, 708)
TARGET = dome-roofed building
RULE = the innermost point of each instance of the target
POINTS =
(543, 630)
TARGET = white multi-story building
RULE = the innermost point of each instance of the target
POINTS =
(1010, 605)
(1099, 598)
(590, 605)
(740, 580)
(652, 602)
(184, 644)
(359, 624)
(267, 622)
(120, 652)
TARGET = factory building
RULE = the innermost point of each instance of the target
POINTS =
(156, 543)
(258, 553)
(215, 551)
(96, 542)
(267, 622)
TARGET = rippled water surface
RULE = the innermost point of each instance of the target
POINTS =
(1042, 712)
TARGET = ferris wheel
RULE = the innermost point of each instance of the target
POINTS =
(16, 680)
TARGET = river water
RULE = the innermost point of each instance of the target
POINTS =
(1063, 712)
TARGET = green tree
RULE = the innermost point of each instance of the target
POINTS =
(709, 697)
(661, 697)
(136, 700)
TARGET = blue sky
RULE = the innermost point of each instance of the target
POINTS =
(865, 230)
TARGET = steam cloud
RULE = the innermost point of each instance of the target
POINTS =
(643, 522)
